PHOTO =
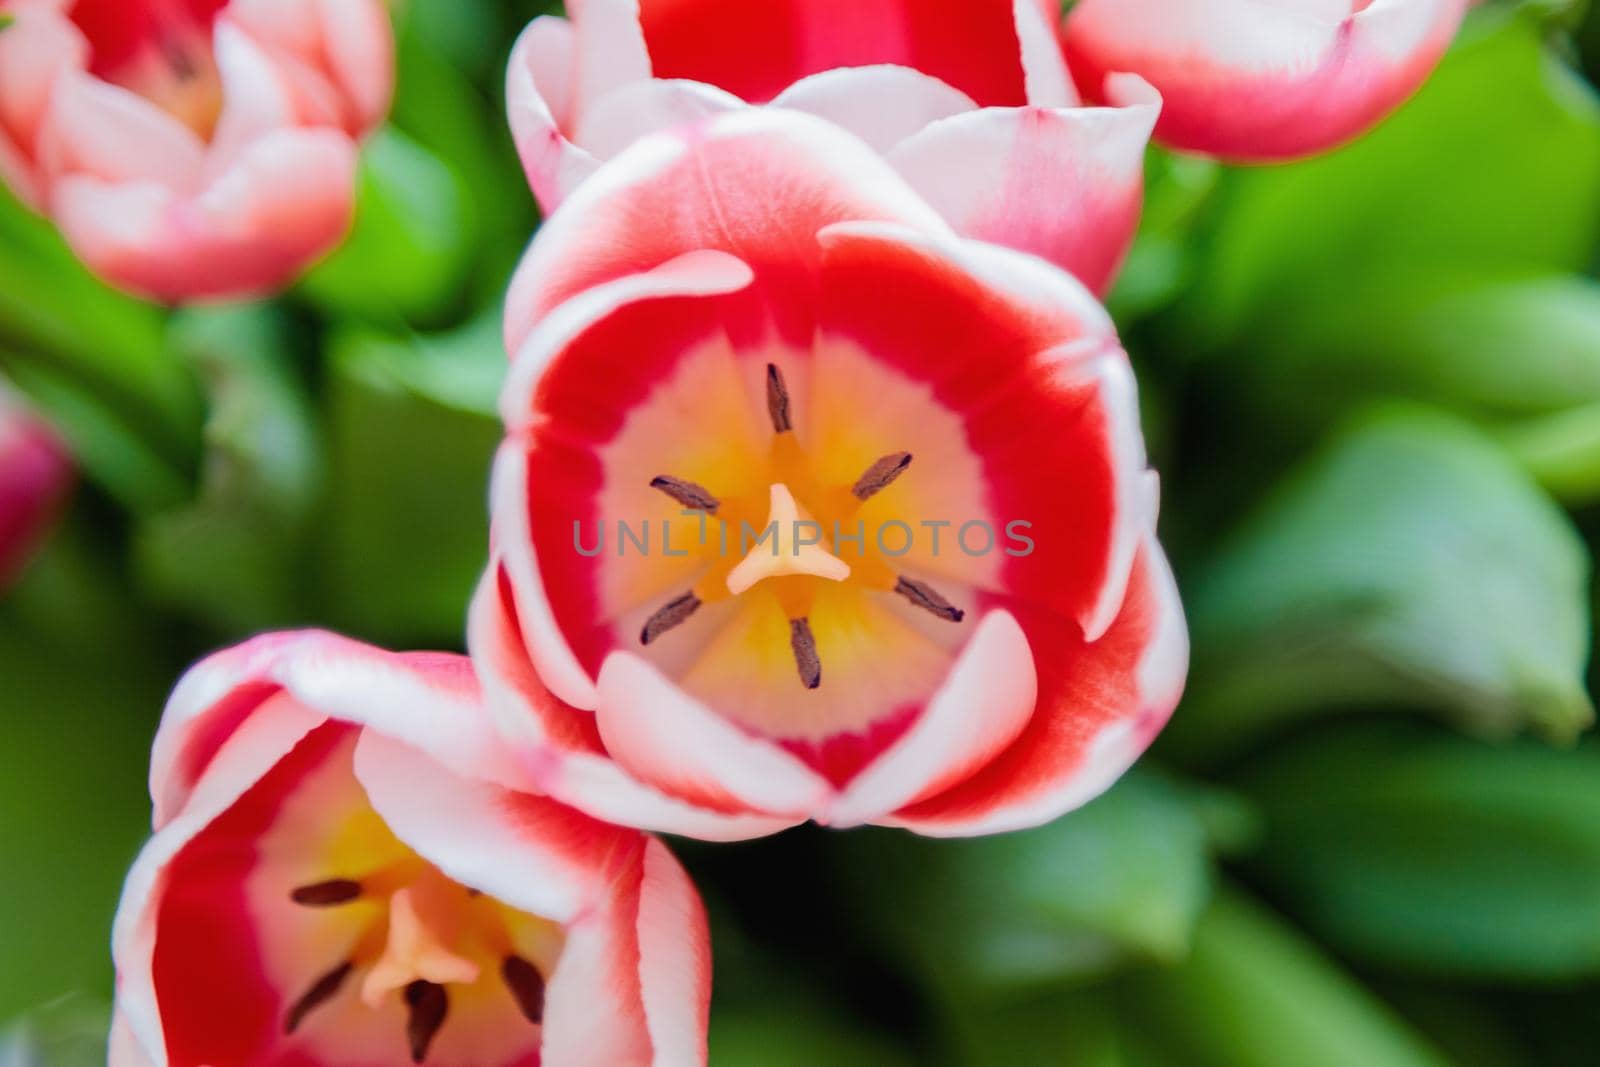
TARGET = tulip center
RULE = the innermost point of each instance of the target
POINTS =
(790, 541)
(159, 49)
(417, 937)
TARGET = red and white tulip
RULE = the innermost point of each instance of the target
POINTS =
(192, 148)
(337, 879)
(758, 318)
(35, 474)
(970, 102)
(1260, 80)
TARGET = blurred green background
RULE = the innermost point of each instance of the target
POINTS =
(1371, 837)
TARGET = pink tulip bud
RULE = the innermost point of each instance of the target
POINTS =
(341, 876)
(192, 148)
(35, 473)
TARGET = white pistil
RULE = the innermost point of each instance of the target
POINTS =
(780, 550)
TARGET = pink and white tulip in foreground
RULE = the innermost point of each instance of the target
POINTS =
(1260, 80)
(192, 148)
(959, 620)
(338, 878)
(35, 474)
(971, 103)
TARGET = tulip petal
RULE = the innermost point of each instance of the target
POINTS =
(524, 850)
(973, 46)
(255, 99)
(1032, 362)
(1064, 184)
(237, 764)
(428, 700)
(1045, 73)
(674, 960)
(102, 131)
(1257, 81)
(37, 49)
(624, 115)
(560, 745)
(757, 183)
(539, 108)
(984, 703)
(1100, 705)
(662, 735)
(903, 101)
(287, 198)
(358, 44)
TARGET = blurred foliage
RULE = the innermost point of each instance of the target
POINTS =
(1368, 379)
(1411, 564)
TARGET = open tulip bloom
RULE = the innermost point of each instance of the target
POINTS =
(337, 881)
(1258, 80)
(192, 148)
(810, 508)
(971, 103)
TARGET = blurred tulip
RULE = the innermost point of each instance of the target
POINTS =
(192, 148)
(1253, 80)
(35, 473)
(757, 320)
(319, 891)
(970, 102)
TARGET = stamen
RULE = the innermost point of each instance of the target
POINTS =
(804, 645)
(322, 989)
(327, 894)
(881, 474)
(688, 494)
(428, 1003)
(928, 599)
(526, 985)
(778, 400)
(672, 614)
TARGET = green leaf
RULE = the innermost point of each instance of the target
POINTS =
(1120, 881)
(1410, 565)
(233, 556)
(798, 1036)
(1254, 994)
(68, 1032)
(412, 243)
(1493, 165)
(96, 362)
(83, 686)
(1429, 853)
(412, 432)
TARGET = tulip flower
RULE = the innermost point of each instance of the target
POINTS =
(898, 560)
(338, 878)
(971, 102)
(35, 472)
(192, 148)
(1262, 80)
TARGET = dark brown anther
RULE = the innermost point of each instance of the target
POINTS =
(778, 400)
(881, 474)
(688, 494)
(526, 985)
(327, 894)
(322, 989)
(428, 1004)
(804, 645)
(928, 599)
(672, 614)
